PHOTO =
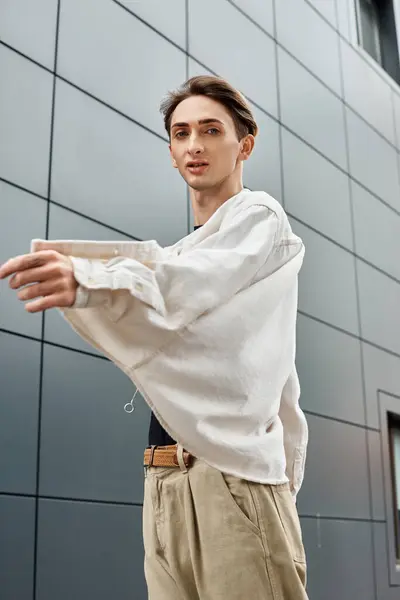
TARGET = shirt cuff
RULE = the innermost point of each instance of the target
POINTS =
(82, 297)
(90, 274)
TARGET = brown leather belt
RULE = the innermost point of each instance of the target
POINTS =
(165, 456)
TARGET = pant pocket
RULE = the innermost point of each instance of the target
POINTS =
(289, 518)
(239, 498)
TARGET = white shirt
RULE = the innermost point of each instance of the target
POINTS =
(205, 329)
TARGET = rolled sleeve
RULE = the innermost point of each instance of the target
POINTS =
(178, 290)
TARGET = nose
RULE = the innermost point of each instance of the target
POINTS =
(194, 145)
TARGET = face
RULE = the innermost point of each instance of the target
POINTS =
(204, 144)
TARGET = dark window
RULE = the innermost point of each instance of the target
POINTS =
(394, 444)
(377, 34)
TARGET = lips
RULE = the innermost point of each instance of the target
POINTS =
(197, 167)
(197, 163)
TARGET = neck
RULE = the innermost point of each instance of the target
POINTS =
(206, 202)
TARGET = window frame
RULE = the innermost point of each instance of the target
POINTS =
(354, 40)
(360, 32)
(389, 407)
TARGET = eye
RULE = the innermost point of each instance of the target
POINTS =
(178, 134)
(214, 129)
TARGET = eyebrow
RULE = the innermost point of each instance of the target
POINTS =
(201, 122)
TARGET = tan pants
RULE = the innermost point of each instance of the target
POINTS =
(211, 536)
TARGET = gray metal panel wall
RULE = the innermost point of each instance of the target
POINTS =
(80, 144)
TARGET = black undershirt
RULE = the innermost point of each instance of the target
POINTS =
(157, 434)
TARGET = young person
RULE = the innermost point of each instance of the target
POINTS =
(206, 331)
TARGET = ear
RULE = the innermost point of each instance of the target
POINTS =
(172, 157)
(247, 147)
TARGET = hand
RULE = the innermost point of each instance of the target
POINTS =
(51, 275)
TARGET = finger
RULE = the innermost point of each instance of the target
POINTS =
(40, 289)
(20, 263)
(50, 270)
(52, 301)
(10, 266)
(26, 261)
(29, 276)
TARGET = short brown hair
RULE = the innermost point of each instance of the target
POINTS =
(218, 89)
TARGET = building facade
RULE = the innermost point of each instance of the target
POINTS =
(83, 155)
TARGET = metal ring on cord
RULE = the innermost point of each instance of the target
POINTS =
(129, 407)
